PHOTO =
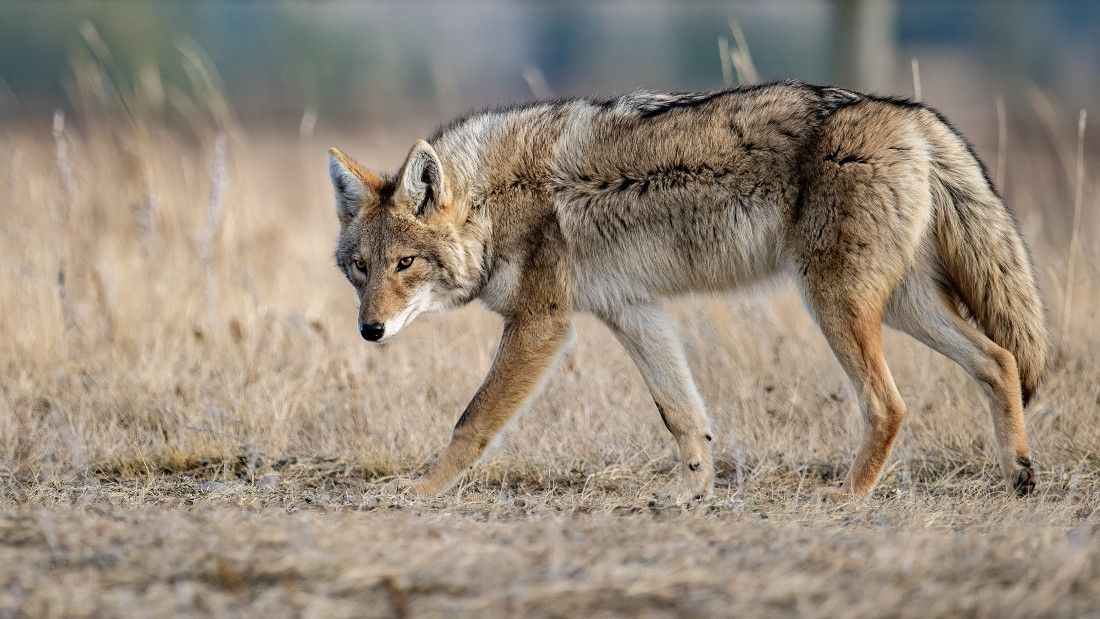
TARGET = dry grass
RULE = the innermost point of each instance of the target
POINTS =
(190, 423)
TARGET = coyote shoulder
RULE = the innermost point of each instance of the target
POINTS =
(875, 207)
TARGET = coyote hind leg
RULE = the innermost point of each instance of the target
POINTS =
(924, 311)
(647, 334)
(854, 332)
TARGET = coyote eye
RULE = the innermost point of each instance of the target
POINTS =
(360, 266)
(404, 263)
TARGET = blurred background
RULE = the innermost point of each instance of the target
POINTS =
(378, 63)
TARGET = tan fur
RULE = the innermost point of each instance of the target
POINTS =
(876, 208)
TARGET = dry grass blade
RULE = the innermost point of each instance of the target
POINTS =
(1002, 140)
(1078, 199)
(727, 61)
(215, 213)
(741, 58)
(914, 66)
(536, 81)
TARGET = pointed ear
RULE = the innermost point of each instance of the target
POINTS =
(422, 179)
(356, 187)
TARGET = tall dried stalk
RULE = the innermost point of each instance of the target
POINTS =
(308, 123)
(1074, 239)
(64, 215)
(741, 58)
(1053, 128)
(1002, 140)
(15, 173)
(64, 168)
(208, 88)
(727, 63)
(536, 81)
(215, 211)
(915, 67)
(737, 60)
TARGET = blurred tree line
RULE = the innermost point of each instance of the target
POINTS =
(377, 58)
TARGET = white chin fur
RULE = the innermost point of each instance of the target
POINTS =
(420, 302)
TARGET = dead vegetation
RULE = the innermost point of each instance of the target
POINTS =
(191, 425)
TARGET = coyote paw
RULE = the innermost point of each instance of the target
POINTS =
(678, 494)
(1024, 479)
(831, 495)
(688, 489)
(409, 487)
(422, 488)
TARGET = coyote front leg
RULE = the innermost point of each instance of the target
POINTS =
(528, 348)
(647, 333)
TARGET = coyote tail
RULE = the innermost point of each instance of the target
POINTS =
(985, 257)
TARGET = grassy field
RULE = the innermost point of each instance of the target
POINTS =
(190, 423)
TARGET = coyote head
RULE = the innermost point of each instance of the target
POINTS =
(406, 241)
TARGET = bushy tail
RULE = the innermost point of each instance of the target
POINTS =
(985, 256)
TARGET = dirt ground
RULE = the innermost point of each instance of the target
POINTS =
(314, 540)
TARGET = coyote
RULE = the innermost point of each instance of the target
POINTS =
(878, 209)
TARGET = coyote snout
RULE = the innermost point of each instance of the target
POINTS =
(388, 306)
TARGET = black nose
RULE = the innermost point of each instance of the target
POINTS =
(373, 331)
